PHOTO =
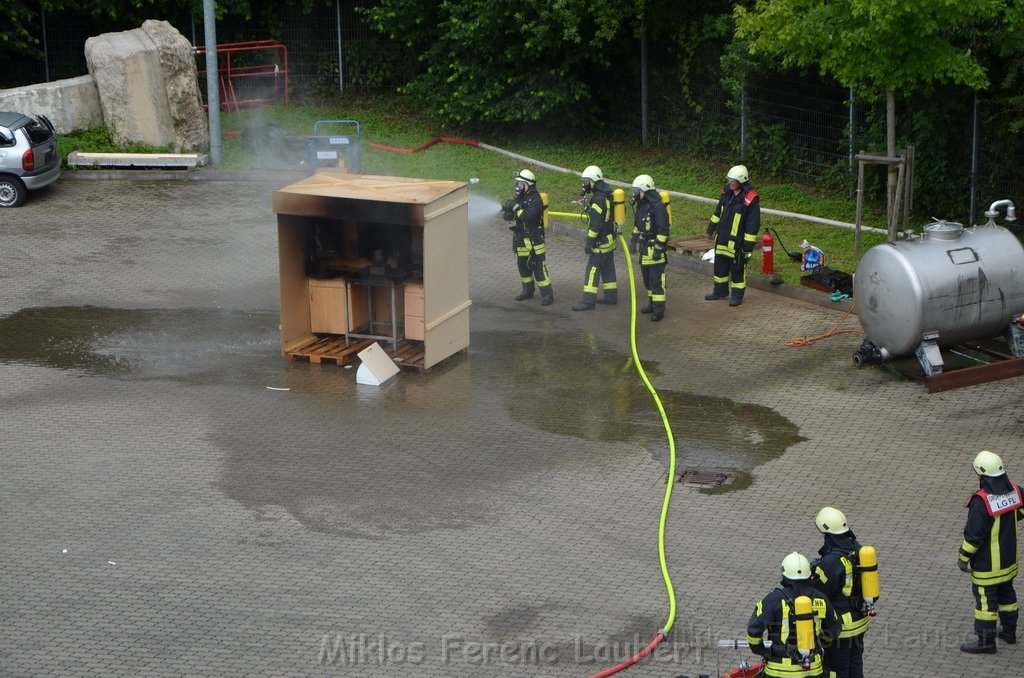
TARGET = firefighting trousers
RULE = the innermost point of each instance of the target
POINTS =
(992, 603)
(654, 281)
(845, 658)
(730, 273)
(600, 273)
(531, 259)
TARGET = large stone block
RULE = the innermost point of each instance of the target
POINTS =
(178, 63)
(72, 104)
(147, 85)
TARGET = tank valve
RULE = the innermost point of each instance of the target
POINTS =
(993, 210)
(867, 354)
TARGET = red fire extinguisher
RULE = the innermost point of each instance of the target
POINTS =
(767, 257)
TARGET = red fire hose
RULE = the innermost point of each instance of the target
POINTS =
(632, 660)
(435, 140)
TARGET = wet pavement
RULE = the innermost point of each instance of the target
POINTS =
(166, 513)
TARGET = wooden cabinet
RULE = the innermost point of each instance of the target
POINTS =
(332, 302)
(414, 328)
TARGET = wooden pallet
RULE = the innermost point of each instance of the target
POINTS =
(409, 354)
(696, 246)
(328, 348)
(968, 364)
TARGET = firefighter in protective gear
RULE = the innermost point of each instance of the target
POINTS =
(526, 209)
(776, 615)
(650, 240)
(835, 576)
(734, 227)
(600, 243)
(989, 553)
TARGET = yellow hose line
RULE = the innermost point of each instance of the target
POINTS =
(573, 215)
(671, 446)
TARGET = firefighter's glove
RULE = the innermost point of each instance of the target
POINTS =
(711, 230)
(508, 210)
(634, 243)
(760, 650)
(964, 565)
(747, 255)
(659, 250)
(587, 249)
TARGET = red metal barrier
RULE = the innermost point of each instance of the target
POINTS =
(253, 73)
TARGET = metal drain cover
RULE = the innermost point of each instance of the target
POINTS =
(706, 477)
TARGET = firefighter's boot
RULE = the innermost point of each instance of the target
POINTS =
(983, 645)
(547, 296)
(658, 312)
(737, 298)
(527, 292)
(720, 291)
(583, 306)
(610, 297)
(1008, 634)
(648, 308)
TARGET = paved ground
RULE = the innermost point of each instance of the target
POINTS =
(164, 513)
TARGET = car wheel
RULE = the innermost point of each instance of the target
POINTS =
(12, 191)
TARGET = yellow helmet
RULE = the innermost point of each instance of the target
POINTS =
(988, 464)
(593, 172)
(739, 173)
(644, 182)
(832, 521)
(796, 566)
(526, 176)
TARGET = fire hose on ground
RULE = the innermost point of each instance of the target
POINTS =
(663, 633)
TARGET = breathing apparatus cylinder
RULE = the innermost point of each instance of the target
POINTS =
(804, 628)
(667, 199)
(544, 201)
(618, 208)
(868, 566)
(767, 255)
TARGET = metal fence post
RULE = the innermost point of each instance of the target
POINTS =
(743, 119)
(974, 162)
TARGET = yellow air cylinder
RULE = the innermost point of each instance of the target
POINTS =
(619, 206)
(804, 625)
(868, 565)
(667, 199)
(544, 201)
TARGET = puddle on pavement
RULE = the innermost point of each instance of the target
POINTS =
(552, 372)
(278, 456)
(192, 345)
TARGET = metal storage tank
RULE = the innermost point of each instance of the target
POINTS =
(949, 286)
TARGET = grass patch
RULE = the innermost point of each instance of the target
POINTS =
(97, 140)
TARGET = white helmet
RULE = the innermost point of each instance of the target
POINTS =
(739, 173)
(832, 521)
(593, 172)
(644, 182)
(988, 464)
(796, 566)
(526, 176)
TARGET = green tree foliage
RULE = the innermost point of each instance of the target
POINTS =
(870, 45)
(504, 61)
(874, 46)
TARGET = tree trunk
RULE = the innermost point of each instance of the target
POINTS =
(890, 150)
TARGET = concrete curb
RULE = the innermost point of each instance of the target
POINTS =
(184, 175)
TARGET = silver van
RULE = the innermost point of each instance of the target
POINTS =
(28, 156)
